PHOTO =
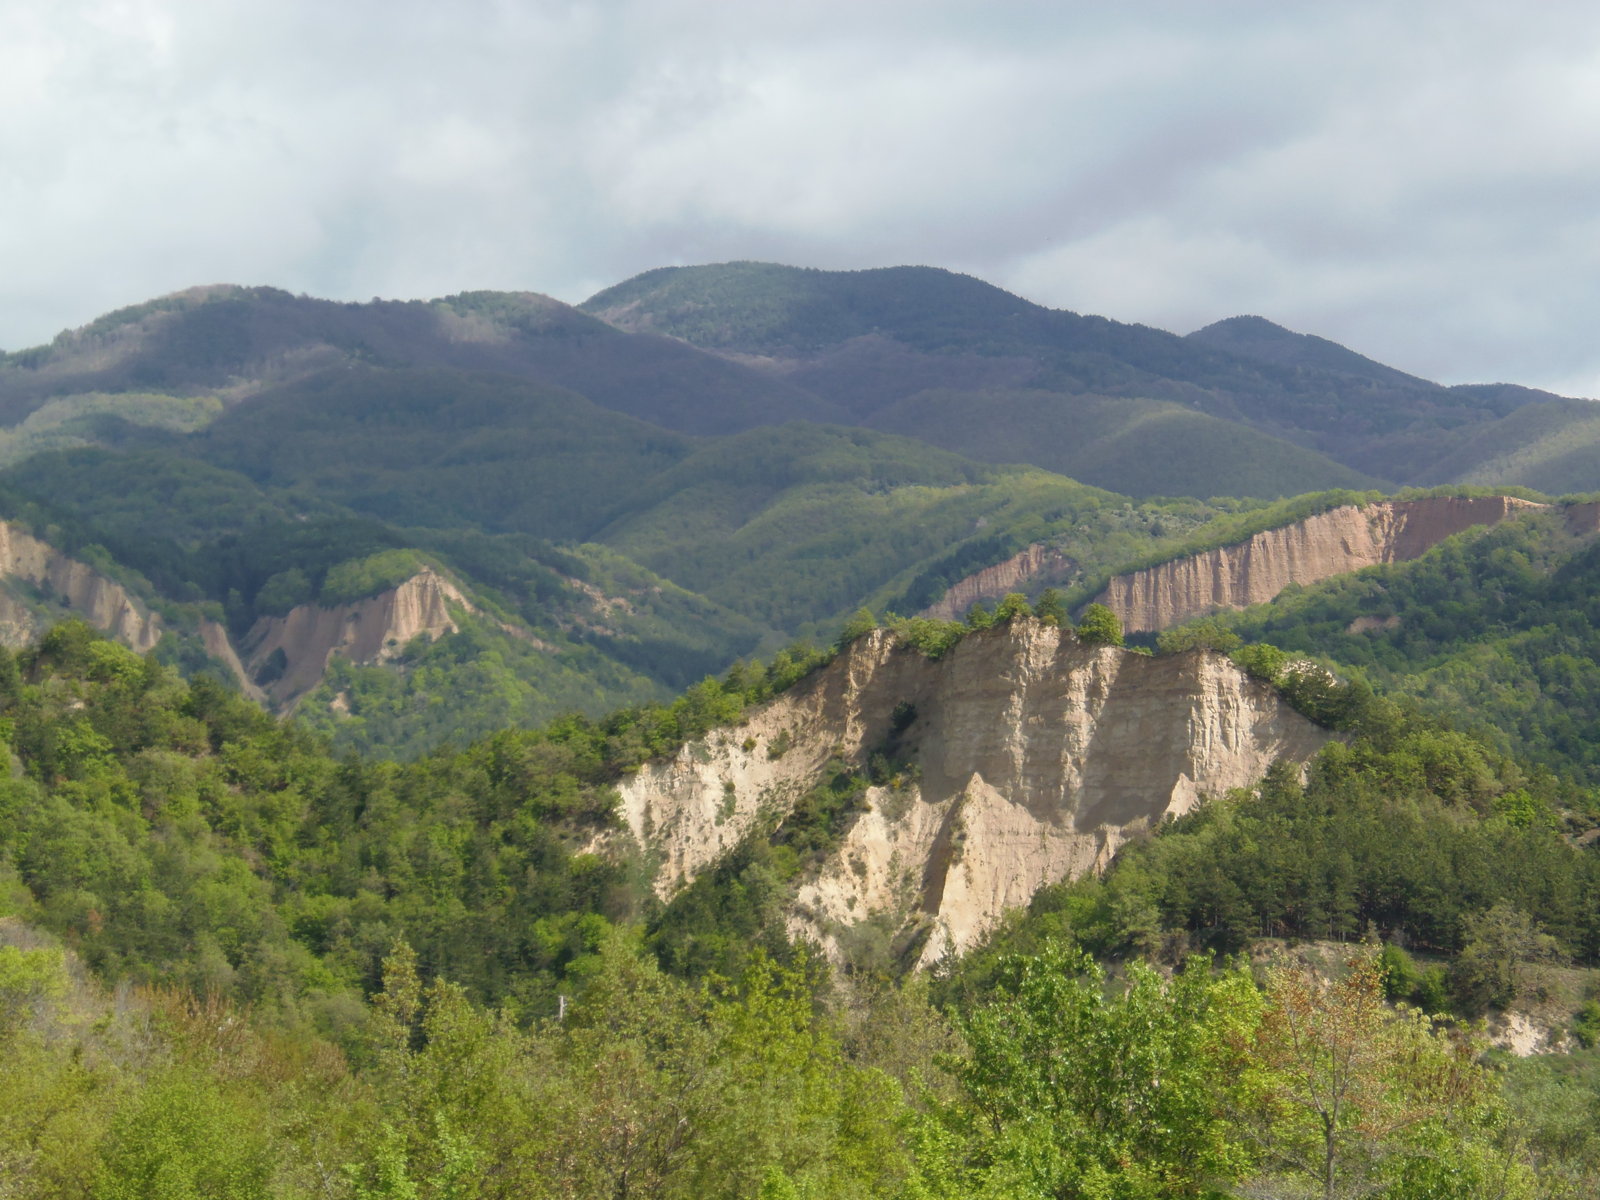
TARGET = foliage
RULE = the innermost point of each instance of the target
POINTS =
(1073, 1092)
(1136, 446)
(861, 623)
(1396, 831)
(356, 579)
(515, 1017)
(927, 636)
(170, 830)
(1496, 632)
(1501, 955)
(1208, 634)
(1361, 1100)
(1099, 626)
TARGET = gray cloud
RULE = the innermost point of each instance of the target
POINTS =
(1414, 180)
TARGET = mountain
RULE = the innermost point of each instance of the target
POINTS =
(1137, 447)
(733, 457)
(233, 342)
(462, 925)
(1261, 339)
(1553, 447)
(865, 339)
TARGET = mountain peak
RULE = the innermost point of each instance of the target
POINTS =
(1258, 338)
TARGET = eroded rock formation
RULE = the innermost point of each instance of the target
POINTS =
(100, 601)
(289, 654)
(1028, 757)
(1039, 565)
(1331, 543)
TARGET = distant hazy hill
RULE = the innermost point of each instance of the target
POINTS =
(705, 464)
(1554, 447)
(234, 341)
(1139, 447)
(866, 339)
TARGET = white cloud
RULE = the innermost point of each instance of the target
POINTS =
(1414, 180)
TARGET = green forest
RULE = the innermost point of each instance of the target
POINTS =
(233, 965)
(401, 943)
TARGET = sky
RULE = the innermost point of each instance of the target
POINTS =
(1416, 179)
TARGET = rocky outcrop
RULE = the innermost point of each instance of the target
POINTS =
(1583, 518)
(100, 601)
(1039, 565)
(1319, 547)
(214, 637)
(287, 655)
(1028, 757)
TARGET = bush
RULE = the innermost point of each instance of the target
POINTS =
(1586, 1024)
(1100, 626)
(1209, 634)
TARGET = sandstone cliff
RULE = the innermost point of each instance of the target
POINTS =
(1037, 566)
(1331, 543)
(367, 631)
(1032, 757)
(101, 602)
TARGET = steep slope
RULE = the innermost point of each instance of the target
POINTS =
(1027, 757)
(234, 341)
(549, 629)
(288, 655)
(1128, 445)
(1034, 567)
(1331, 543)
(58, 582)
(1498, 634)
(1553, 447)
(801, 524)
(843, 334)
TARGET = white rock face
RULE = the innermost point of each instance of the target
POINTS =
(1038, 757)
(101, 602)
(367, 631)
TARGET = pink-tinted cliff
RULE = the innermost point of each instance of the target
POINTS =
(1319, 547)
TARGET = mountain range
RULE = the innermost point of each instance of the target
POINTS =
(696, 464)
(746, 733)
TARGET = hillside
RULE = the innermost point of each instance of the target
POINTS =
(844, 333)
(1493, 633)
(1337, 542)
(449, 814)
(1136, 447)
(755, 451)
(207, 923)
(232, 342)
(1552, 447)
(1021, 758)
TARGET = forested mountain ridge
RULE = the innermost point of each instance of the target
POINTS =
(241, 443)
(234, 341)
(462, 928)
(1242, 407)
(871, 338)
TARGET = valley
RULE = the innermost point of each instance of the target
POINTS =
(728, 737)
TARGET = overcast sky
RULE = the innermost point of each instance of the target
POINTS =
(1420, 181)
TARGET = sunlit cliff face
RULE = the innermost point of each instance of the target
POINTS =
(1030, 758)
